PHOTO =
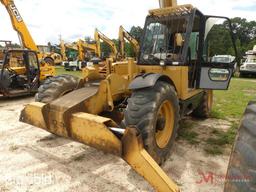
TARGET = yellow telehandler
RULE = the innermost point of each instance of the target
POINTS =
(134, 112)
(22, 70)
(25, 37)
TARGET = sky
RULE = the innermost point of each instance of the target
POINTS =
(48, 19)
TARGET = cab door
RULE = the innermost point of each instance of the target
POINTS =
(33, 70)
(218, 56)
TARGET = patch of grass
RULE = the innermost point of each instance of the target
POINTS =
(186, 133)
(217, 114)
(60, 70)
(213, 150)
(232, 103)
(216, 143)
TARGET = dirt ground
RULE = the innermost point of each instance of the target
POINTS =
(34, 160)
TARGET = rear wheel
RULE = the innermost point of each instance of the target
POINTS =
(155, 113)
(56, 87)
(204, 108)
(49, 60)
(241, 175)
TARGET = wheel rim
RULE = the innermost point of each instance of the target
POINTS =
(164, 124)
(209, 100)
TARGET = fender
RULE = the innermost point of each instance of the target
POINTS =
(148, 80)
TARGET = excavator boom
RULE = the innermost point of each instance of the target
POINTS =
(100, 36)
(123, 34)
(19, 25)
(84, 46)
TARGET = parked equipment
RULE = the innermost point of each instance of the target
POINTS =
(19, 73)
(248, 67)
(24, 34)
(123, 34)
(98, 36)
(134, 112)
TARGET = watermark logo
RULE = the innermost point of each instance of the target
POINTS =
(33, 179)
(15, 12)
(215, 179)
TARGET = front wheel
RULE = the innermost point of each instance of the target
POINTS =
(49, 60)
(55, 87)
(155, 113)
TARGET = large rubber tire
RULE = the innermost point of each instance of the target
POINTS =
(49, 60)
(241, 174)
(142, 112)
(56, 87)
(204, 108)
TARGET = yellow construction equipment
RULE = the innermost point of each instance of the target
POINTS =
(100, 36)
(85, 47)
(134, 112)
(49, 55)
(123, 34)
(25, 37)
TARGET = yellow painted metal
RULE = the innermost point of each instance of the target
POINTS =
(85, 47)
(167, 3)
(138, 158)
(179, 9)
(163, 134)
(179, 76)
(46, 71)
(123, 34)
(19, 70)
(33, 115)
(209, 99)
(100, 36)
(26, 39)
(86, 128)
(93, 130)
(19, 25)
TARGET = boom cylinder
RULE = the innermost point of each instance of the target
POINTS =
(167, 3)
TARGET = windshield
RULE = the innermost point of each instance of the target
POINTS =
(251, 59)
(163, 39)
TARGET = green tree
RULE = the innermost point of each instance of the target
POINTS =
(136, 32)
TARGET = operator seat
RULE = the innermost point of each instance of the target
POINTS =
(178, 43)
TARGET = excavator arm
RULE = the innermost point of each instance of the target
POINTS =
(19, 25)
(82, 46)
(100, 36)
(63, 50)
(123, 34)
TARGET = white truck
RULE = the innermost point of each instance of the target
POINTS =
(249, 65)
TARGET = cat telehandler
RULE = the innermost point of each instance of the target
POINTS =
(134, 112)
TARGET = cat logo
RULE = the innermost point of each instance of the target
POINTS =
(15, 12)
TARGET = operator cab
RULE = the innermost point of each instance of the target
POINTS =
(191, 39)
(19, 74)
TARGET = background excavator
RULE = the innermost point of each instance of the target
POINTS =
(98, 37)
(125, 35)
(135, 110)
(21, 71)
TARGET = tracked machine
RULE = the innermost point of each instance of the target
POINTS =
(134, 112)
